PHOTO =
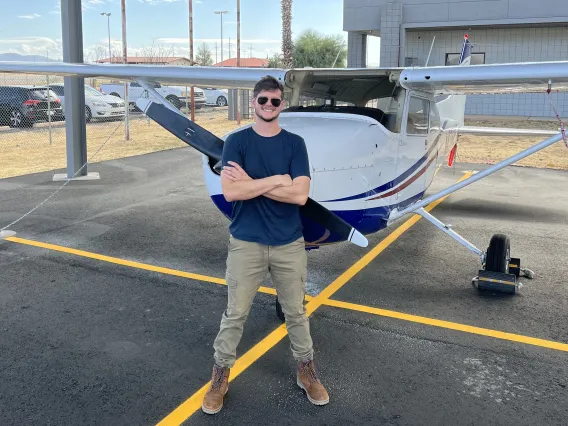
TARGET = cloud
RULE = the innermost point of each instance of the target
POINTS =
(33, 46)
(95, 2)
(174, 40)
(34, 16)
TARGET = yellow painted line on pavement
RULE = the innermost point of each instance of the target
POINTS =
(128, 263)
(193, 403)
(550, 344)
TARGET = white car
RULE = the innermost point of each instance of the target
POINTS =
(219, 97)
(97, 104)
(177, 95)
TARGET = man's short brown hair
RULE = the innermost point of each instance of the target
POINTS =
(267, 83)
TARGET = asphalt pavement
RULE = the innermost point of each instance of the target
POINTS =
(93, 332)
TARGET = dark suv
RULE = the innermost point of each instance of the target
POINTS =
(22, 106)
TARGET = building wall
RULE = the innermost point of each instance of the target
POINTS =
(356, 50)
(365, 15)
(503, 45)
(505, 30)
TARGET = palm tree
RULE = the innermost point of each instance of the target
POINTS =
(287, 33)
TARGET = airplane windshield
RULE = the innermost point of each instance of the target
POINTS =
(387, 110)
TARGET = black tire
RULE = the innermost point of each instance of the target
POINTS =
(88, 114)
(221, 101)
(174, 100)
(16, 119)
(498, 254)
(279, 311)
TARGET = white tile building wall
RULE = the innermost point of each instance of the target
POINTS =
(505, 30)
(501, 45)
(356, 50)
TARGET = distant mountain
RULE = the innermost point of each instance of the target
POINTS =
(24, 58)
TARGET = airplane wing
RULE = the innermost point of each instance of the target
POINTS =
(182, 75)
(488, 79)
(502, 131)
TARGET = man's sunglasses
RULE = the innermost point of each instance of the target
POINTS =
(263, 99)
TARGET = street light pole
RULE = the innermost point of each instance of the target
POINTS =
(125, 61)
(221, 12)
(108, 25)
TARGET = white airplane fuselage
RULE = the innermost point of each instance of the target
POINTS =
(360, 170)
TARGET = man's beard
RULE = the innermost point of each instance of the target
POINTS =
(266, 120)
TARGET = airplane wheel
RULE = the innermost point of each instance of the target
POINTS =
(498, 254)
(279, 311)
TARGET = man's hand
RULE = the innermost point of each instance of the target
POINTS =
(238, 185)
(237, 173)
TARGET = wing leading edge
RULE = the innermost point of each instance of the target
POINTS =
(488, 79)
(244, 78)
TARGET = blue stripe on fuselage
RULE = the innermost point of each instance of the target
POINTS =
(366, 221)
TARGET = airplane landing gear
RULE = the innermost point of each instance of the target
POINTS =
(500, 271)
(279, 311)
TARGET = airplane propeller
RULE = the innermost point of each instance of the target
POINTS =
(207, 143)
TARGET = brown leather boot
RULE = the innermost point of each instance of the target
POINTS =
(307, 379)
(213, 400)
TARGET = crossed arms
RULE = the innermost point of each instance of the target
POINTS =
(238, 185)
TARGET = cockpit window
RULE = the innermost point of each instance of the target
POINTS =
(391, 107)
(418, 112)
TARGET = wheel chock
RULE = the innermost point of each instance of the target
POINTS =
(496, 281)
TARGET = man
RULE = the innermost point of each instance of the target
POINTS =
(266, 175)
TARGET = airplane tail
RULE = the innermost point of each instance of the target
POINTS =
(453, 107)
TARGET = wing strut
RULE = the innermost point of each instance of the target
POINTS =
(395, 214)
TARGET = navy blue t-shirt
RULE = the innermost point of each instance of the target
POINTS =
(261, 219)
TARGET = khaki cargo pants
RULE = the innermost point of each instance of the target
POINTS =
(247, 266)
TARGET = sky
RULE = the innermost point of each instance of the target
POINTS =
(33, 27)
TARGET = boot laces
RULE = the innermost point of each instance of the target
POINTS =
(218, 377)
(307, 370)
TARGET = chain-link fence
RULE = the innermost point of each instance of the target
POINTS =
(32, 121)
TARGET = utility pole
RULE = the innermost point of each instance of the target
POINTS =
(108, 24)
(216, 47)
(191, 63)
(125, 60)
(230, 44)
(221, 12)
(238, 58)
(250, 51)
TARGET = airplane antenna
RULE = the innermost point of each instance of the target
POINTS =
(429, 53)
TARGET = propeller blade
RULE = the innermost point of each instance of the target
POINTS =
(182, 127)
(209, 144)
(330, 221)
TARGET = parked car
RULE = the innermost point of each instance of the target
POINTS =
(175, 94)
(97, 104)
(22, 106)
(215, 96)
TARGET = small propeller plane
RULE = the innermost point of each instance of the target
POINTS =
(375, 138)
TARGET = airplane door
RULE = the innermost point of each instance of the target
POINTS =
(435, 145)
(412, 153)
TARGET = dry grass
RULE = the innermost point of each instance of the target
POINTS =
(491, 149)
(28, 151)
